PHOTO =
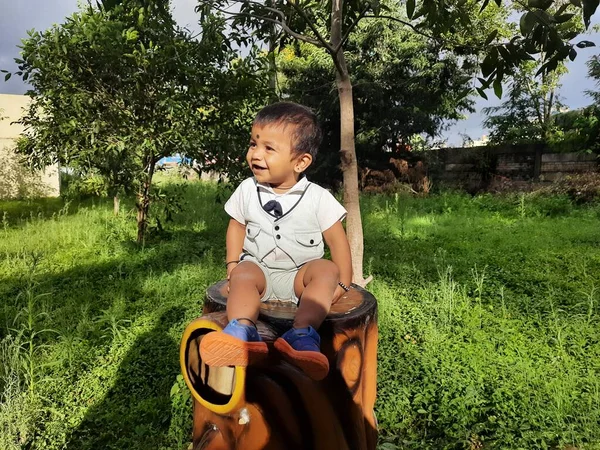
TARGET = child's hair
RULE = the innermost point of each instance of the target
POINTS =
(307, 133)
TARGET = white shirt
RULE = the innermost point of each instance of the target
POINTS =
(327, 209)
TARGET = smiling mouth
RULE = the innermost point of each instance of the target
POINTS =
(257, 167)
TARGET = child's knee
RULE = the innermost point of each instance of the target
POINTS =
(247, 273)
(325, 269)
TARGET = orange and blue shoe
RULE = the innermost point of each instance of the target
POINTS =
(237, 345)
(302, 348)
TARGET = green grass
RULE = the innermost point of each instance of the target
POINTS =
(488, 316)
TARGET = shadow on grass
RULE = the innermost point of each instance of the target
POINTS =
(136, 411)
(15, 213)
(94, 287)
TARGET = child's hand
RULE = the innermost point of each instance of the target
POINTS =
(338, 293)
(230, 268)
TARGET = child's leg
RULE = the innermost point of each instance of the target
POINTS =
(315, 285)
(246, 287)
(239, 344)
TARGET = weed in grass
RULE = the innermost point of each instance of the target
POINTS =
(479, 278)
(27, 327)
(522, 207)
(19, 411)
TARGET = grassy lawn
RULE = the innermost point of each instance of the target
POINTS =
(489, 333)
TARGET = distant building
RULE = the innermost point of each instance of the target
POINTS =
(15, 180)
(482, 141)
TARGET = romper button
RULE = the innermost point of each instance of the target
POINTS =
(278, 236)
(312, 241)
(276, 227)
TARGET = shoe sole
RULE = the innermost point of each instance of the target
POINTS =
(219, 349)
(313, 364)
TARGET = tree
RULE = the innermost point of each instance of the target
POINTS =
(579, 130)
(115, 90)
(403, 87)
(527, 116)
(329, 25)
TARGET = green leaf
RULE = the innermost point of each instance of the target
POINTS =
(541, 4)
(576, 3)
(563, 18)
(561, 10)
(498, 88)
(589, 8)
(585, 44)
(484, 5)
(572, 54)
(410, 8)
(7, 76)
(549, 66)
(491, 37)
(506, 55)
(489, 64)
(482, 93)
(527, 23)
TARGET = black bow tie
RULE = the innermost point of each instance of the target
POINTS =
(273, 205)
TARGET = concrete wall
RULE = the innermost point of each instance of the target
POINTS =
(520, 163)
(16, 181)
(556, 165)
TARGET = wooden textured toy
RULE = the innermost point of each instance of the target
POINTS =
(275, 406)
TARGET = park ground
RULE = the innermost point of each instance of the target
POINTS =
(488, 317)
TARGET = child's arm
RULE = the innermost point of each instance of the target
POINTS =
(236, 233)
(336, 240)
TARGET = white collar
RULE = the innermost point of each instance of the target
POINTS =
(299, 187)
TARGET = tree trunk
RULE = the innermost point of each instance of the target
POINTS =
(143, 203)
(347, 149)
(116, 204)
(273, 64)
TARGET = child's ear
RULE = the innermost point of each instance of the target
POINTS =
(302, 162)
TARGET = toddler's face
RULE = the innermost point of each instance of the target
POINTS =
(270, 156)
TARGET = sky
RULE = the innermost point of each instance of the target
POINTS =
(18, 16)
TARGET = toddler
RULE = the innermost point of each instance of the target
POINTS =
(275, 245)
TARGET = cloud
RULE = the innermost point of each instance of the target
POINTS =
(19, 16)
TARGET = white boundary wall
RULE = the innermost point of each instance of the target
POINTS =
(15, 180)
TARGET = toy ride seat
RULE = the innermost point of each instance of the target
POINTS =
(273, 405)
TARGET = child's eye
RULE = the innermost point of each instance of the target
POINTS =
(270, 148)
(252, 144)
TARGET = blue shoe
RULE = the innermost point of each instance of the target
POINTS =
(236, 345)
(302, 348)
(303, 339)
(246, 333)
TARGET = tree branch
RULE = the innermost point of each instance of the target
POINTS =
(282, 23)
(312, 26)
(352, 26)
(403, 22)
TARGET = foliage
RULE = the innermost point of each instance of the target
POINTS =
(402, 87)
(500, 351)
(577, 131)
(527, 115)
(116, 90)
